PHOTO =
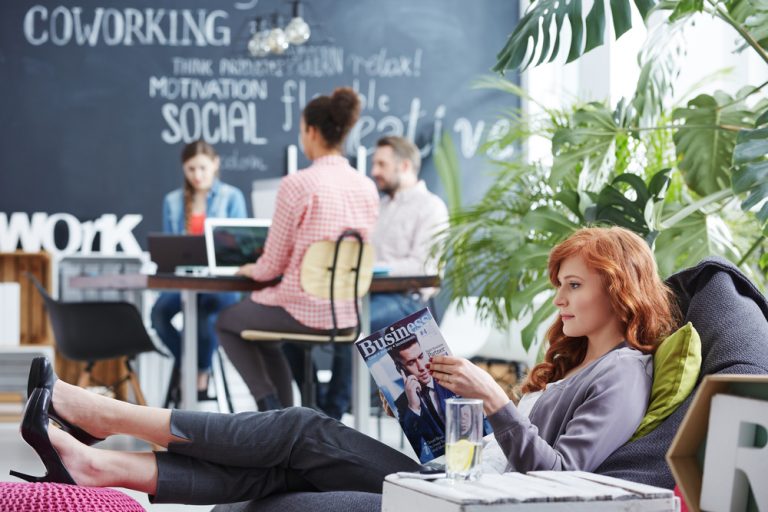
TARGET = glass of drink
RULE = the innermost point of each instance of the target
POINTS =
(463, 437)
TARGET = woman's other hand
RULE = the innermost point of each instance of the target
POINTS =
(464, 378)
(246, 270)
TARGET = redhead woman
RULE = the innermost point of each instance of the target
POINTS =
(583, 402)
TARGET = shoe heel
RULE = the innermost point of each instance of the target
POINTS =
(34, 431)
(25, 477)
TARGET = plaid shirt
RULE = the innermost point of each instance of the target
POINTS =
(318, 203)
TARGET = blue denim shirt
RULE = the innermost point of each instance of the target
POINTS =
(223, 201)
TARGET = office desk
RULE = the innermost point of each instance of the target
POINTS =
(190, 286)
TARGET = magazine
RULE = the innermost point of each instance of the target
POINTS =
(396, 357)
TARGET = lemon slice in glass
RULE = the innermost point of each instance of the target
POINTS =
(459, 455)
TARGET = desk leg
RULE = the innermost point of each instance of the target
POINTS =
(189, 351)
(361, 381)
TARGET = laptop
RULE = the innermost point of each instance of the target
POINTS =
(231, 243)
(171, 251)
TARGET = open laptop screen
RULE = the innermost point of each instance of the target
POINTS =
(231, 243)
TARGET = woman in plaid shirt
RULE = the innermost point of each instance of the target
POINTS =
(318, 203)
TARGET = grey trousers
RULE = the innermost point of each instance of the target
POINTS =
(262, 365)
(251, 455)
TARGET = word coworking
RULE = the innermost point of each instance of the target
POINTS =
(128, 26)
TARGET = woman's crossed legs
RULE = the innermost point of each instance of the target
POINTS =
(218, 458)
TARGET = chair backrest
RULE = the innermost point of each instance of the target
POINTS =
(338, 270)
(93, 331)
(731, 317)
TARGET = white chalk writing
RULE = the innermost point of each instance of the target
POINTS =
(63, 26)
(382, 65)
(213, 89)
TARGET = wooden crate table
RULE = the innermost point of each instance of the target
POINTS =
(537, 491)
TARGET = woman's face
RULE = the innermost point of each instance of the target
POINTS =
(200, 171)
(583, 302)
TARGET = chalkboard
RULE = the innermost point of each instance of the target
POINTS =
(97, 99)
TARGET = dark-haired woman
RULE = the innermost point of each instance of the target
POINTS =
(318, 203)
(184, 212)
(583, 402)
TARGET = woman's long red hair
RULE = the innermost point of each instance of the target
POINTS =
(645, 306)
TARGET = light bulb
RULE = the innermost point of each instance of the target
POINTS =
(257, 46)
(277, 41)
(297, 31)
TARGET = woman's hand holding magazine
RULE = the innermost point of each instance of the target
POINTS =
(466, 379)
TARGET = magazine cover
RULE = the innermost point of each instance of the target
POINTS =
(397, 357)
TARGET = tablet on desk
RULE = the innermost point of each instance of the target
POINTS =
(231, 243)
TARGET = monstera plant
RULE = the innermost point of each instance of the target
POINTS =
(692, 179)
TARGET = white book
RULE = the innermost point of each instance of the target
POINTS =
(10, 314)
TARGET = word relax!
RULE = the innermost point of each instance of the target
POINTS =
(38, 233)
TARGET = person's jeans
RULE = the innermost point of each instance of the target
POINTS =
(386, 308)
(208, 305)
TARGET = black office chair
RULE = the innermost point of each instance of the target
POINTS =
(98, 331)
(331, 270)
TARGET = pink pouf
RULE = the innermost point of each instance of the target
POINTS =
(23, 497)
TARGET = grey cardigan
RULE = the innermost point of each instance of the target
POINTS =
(577, 422)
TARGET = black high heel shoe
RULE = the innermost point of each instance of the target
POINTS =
(41, 375)
(34, 430)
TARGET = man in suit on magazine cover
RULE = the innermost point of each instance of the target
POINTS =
(420, 408)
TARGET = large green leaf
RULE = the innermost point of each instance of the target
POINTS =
(685, 7)
(628, 202)
(581, 148)
(531, 38)
(750, 175)
(660, 61)
(692, 239)
(546, 219)
(571, 200)
(706, 139)
(752, 15)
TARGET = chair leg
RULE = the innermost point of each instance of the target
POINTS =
(172, 396)
(85, 376)
(224, 384)
(308, 387)
(137, 393)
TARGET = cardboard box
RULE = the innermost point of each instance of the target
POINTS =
(686, 453)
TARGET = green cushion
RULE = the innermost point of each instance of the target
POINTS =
(676, 366)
